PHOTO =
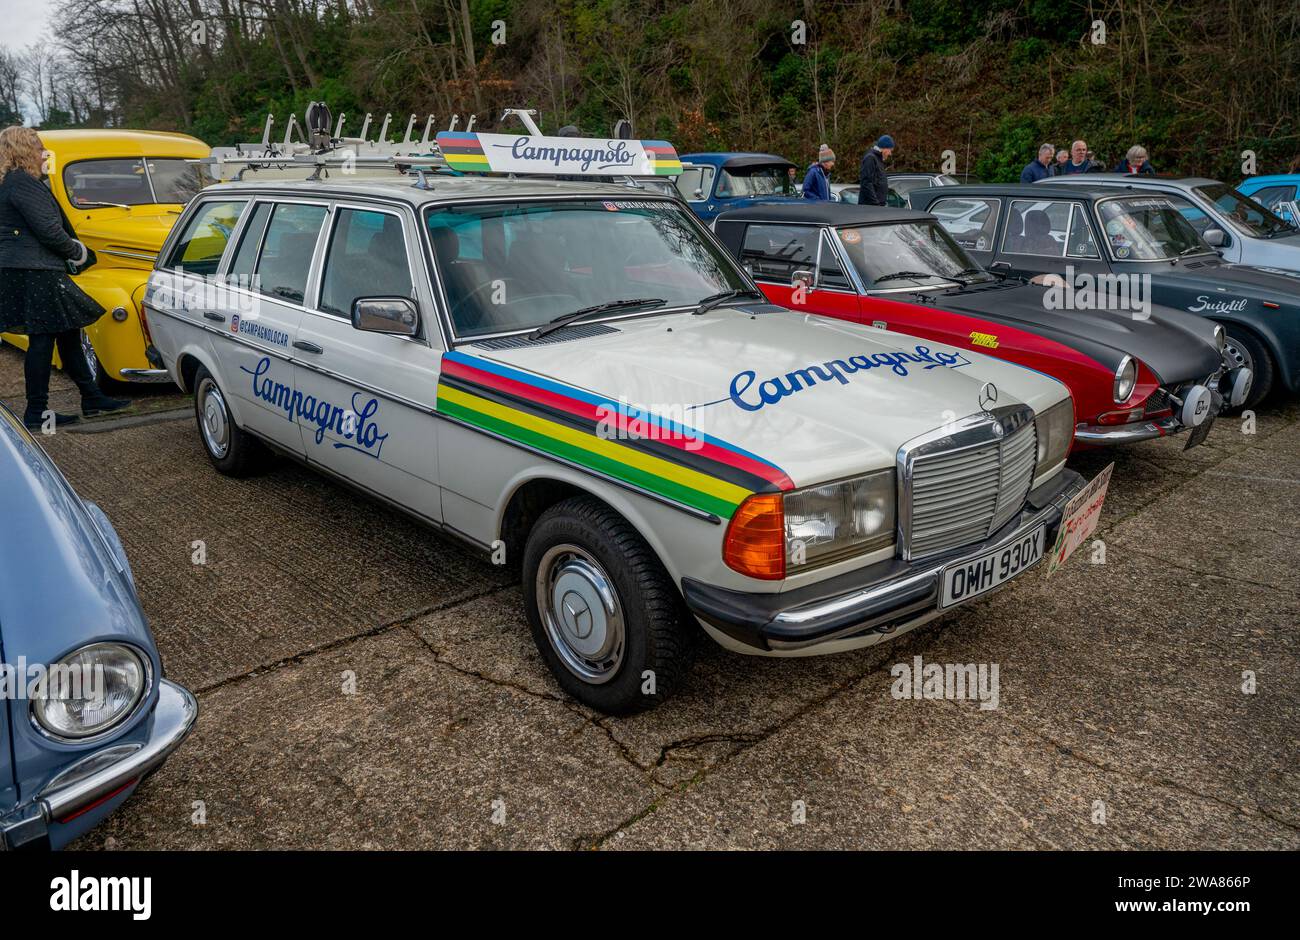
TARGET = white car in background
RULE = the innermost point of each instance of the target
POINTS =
(1238, 227)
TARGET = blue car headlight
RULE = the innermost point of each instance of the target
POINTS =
(90, 691)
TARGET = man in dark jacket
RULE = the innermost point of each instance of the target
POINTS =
(1079, 162)
(817, 184)
(873, 179)
(1037, 169)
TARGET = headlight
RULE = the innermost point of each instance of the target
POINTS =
(1055, 427)
(91, 690)
(1125, 378)
(823, 523)
(1220, 337)
(770, 533)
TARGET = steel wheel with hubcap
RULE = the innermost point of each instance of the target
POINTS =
(214, 422)
(605, 615)
(581, 613)
(1244, 349)
(231, 450)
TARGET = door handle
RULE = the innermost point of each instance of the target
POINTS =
(307, 347)
(214, 317)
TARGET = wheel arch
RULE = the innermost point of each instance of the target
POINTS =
(535, 491)
(1284, 369)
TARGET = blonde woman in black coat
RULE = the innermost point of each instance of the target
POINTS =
(37, 298)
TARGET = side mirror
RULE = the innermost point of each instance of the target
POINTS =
(1215, 237)
(699, 194)
(1000, 267)
(804, 278)
(395, 315)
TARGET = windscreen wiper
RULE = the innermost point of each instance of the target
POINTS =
(721, 297)
(904, 274)
(565, 319)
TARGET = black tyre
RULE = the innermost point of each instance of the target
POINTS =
(231, 450)
(1246, 349)
(604, 613)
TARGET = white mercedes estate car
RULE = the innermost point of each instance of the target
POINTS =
(574, 378)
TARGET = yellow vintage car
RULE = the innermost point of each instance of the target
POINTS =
(122, 190)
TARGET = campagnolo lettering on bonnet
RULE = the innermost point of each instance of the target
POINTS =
(352, 424)
(771, 391)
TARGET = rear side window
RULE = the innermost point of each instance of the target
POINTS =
(204, 240)
(1081, 242)
(245, 258)
(367, 258)
(775, 252)
(1037, 228)
(287, 248)
(970, 222)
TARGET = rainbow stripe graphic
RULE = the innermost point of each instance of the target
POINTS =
(661, 456)
(463, 151)
(663, 156)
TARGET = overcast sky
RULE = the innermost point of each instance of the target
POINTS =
(24, 22)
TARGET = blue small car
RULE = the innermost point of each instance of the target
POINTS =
(717, 182)
(1277, 193)
(85, 713)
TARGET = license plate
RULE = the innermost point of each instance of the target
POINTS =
(975, 576)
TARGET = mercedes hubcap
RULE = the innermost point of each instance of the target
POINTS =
(581, 613)
(214, 420)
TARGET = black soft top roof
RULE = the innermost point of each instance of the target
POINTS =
(810, 212)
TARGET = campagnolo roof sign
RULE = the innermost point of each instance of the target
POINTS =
(527, 153)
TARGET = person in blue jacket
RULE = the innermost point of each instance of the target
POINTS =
(817, 184)
(1038, 168)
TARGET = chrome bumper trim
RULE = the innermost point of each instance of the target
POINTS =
(173, 718)
(1128, 433)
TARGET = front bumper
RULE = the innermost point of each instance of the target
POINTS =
(1226, 389)
(69, 795)
(881, 598)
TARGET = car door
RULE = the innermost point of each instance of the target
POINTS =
(367, 396)
(774, 252)
(1046, 236)
(269, 270)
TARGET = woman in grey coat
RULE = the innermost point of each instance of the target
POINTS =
(37, 298)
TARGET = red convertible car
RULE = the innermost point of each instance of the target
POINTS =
(1134, 375)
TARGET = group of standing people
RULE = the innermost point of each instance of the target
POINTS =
(1079, 159)
(873, 178)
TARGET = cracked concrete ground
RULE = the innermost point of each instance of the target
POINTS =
(1120, 684)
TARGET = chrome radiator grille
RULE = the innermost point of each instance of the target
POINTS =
(960, 487)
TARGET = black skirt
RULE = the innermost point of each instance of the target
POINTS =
(37, 301)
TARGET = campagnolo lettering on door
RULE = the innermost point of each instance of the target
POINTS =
(770, 391)
(354, 424)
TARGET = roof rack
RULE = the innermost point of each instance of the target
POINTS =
(318, 144)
